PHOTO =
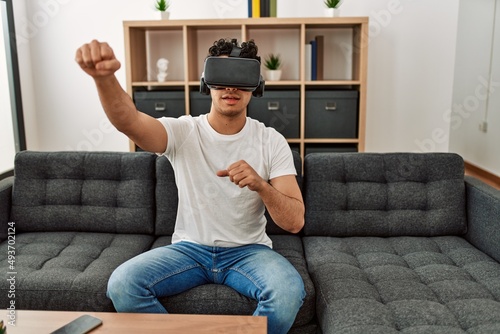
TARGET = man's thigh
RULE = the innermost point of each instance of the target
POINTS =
(261, 270)
(166, 271)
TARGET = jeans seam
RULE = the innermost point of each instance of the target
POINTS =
(249, 277)
(178, 271)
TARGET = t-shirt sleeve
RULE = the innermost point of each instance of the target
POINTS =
(282, 158)
(178, 130)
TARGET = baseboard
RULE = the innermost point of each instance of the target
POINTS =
(6, 174)
(487, 177)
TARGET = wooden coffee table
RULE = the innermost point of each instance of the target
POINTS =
(47, 321)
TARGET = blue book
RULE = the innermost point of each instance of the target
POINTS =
(314, 64)
(249, 8)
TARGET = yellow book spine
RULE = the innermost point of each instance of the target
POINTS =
(255, 8)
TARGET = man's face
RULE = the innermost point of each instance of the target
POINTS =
(230, 101)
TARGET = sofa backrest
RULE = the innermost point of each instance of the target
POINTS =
(80, 191)
(166, 197)
(384, 194)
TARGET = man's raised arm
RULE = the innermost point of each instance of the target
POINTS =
(97, 59)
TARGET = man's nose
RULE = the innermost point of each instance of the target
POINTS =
(231, 88)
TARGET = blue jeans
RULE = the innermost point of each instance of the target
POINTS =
(255, 271)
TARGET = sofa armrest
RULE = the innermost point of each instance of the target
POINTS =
(483, 216)
(5, 205)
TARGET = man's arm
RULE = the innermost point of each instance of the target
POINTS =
(283, 200)
(281, 196)
(98, 60)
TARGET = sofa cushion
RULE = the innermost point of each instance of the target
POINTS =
(220, 299)
(386, 194)
(67, 271)
(403, 284)
(79, 191)
(166, 197)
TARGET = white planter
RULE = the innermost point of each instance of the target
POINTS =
(165, 15)
(332, 12)
(273, 75)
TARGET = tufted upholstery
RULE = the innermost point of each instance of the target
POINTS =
(76, 191)
(68, 270)
(406, 284)
(384, 194)
(393, 243)
(166, 198)
(385, 248)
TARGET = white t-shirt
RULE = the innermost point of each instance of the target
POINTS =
(212, 210)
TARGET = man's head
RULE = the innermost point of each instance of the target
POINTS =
(224, 47)
(231, 76)
(229, 65)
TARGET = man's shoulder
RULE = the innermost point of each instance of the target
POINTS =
(184, 119)
(260, 125)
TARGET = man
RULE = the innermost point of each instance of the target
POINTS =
(228, 169)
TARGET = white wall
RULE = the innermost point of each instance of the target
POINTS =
(477, 63)
(410, 77)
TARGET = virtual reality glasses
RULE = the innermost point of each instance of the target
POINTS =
(233, 72)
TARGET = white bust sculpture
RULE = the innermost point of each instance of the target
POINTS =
(162, 65)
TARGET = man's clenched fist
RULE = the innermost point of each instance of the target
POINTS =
(97, 59)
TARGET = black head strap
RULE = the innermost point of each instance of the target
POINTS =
(235, 52)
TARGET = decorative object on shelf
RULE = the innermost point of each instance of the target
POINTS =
(273, 65)
(332, 7)
(162, 65)
(162, 6)
(3, 329)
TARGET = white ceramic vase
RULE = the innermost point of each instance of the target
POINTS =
(165, 15)
(273, 75)
(332, 12)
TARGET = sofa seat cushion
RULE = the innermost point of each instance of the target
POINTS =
(67, 270)
(220, 299)
(407, 284)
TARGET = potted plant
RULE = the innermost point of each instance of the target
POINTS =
(162, 6)
(273, 65)
(332, 7)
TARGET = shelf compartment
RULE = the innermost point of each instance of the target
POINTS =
(279, 110)
(285, 41)
(331, 114)
(329, 148)
(200, 39)
(157, 47)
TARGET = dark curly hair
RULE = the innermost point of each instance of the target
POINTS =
(223, 47)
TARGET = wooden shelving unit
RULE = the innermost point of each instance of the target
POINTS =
(185, 44)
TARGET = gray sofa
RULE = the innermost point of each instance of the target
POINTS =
(394, 242)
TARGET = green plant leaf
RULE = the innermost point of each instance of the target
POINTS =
(332, 3)
(162, 5)
(272, 61)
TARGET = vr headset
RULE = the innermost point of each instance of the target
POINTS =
(234, 72)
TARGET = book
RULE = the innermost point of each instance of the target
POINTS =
(264, 8)
(273, 8)
(313, 59)
(250, 8)
(320, 41)
(255, 8)
(308, 62)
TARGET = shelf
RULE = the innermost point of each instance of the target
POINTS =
(185, 44)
